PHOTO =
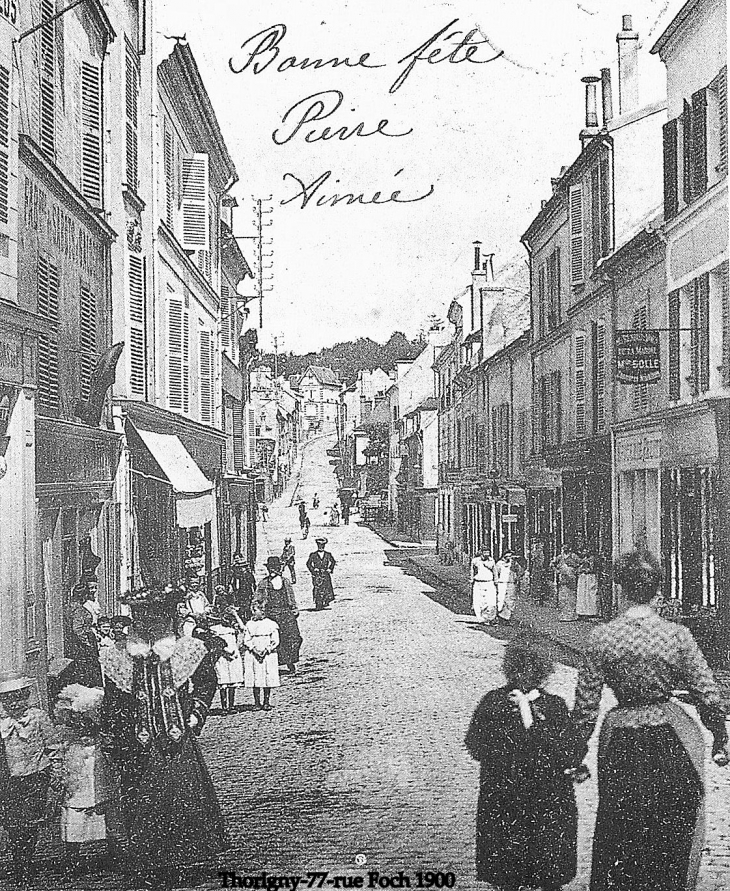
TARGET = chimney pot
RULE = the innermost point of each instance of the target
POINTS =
(628, 67)
(477, 255)
(626, 23)
(606, 96)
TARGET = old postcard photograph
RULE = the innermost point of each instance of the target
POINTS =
(364, 445)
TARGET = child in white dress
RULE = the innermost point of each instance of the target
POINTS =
(260, 661)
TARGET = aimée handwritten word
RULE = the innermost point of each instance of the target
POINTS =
(307, 193)
(319, 107)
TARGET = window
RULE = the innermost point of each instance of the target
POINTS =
(674, 342)
(542, 299)
(137, 321)
(700, 334)
(599, 376)
(194, 203)
(48, 297)
(553, 290)
(5, 112)
(91, 133)
(132, 109)
(548, 429)
(47, 78)
(207, 403)
(87, 340)
(579, 381)
(178, 355)
(575, 213)
(641, 391)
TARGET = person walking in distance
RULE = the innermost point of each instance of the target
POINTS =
(507, 573)
(288, 560)
(346, 513)
(315, 501)
(242, 585)
(566, 568)
(304, 522)
(321, 565)
(483, 586)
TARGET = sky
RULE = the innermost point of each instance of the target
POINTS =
(482, 138)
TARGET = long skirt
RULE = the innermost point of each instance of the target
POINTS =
(484, 600)
(587, 594)
(567, 597)
(649, 806)
(290, 638)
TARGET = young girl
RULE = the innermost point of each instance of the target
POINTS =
(260, 661)
(229, 668)
(89, 802)
(527, 822)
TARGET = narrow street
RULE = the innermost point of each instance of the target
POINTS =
(363, 751)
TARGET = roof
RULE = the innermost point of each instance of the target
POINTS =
(326, 376)
(685, 14)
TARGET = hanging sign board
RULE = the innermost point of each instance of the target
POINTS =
(637, 357)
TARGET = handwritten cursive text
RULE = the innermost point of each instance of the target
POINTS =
(310, 192)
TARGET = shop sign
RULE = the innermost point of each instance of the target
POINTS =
(637, 357)
(639, 450)
(65, 458)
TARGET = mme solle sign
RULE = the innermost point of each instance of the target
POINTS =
(637, 357)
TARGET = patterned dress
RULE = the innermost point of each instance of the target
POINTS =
(649, 827)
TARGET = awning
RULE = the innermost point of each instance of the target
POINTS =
(193, 490)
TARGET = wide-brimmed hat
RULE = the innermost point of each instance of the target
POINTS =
(288, 538)
(273, 563)
(320, 541)
(14, 685)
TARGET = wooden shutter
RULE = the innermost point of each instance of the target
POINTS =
(576, 235)
(641, 391)
(91, 133)
(725, 313)
(169, 163)
(687, 153)
(137, 318)
(673, 357)
(5, 112)
(557, 407)
(195, 204)
(238, 436)
(175, 337)
(47, 78)
(595, 215)
(722, 117)
(205, 340)
(542, 298)
(505, 433)
(250, 436)
(606, 204)
(579, 372)
(226, 320)
(132, 109)
(48, 296)
(186, 361)
(557, 294)
(536, 416)
(699, 143)
(599, 376)
(671, 196)
(703, 331)
(87, 339)
(495, 440)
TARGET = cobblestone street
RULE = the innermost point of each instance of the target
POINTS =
(362, 753)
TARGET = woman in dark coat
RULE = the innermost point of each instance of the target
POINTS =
(158, 692)
(277, 597)
(527, 821)
(649, 831)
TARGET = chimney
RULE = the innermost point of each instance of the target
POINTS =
(488, 268)
(606, 97)
(591, 127)
(628, 67)
(477, 256)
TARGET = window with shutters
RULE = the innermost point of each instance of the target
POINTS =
(717, 128)
(46, 43)
(671, 154)
(554, 308)
(178, 355)
(48, 299)
(686, 120)
(542, 298)
(87, 339)
(698, 155)
(673, 359)
(136, 295)
(599, 376)
(725, 319)
(205, 357)
(169, 155)
(579, 381)
(575, 214)
(238, 437)
(91, 132)
(700, 334)
(556, 394)
(5, 112)
(131, 103)
(194, 203)
(640, 391)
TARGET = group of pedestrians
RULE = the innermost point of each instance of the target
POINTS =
(649, 827)
(494, 586)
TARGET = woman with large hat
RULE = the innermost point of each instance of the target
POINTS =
(277, 596)
(321, 564)
(157, 696)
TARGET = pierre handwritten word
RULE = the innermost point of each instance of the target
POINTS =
(319, 107)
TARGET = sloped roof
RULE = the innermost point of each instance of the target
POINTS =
(325, 376)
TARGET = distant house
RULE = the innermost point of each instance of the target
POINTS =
(320, 389)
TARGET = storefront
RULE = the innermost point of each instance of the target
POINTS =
(79, 518)
(239, 523)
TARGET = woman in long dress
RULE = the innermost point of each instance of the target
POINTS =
(651, 752)
(566, 567)
(277, 596)
(483, 586)
(527, 821)
(586, 606)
